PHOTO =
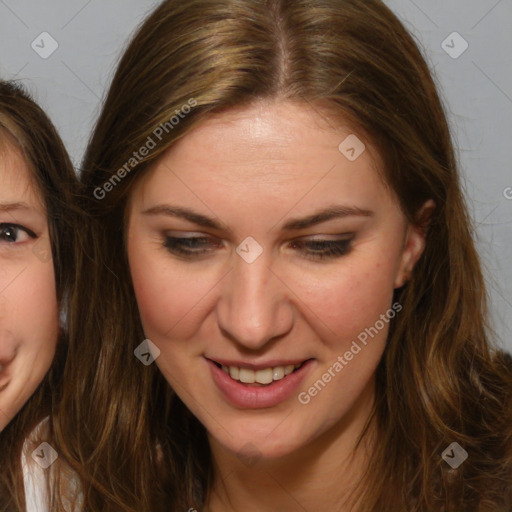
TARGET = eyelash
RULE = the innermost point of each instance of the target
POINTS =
(329, 249)
(16, 228)
(178, 245)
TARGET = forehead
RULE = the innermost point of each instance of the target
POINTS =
(269, 131)
(16, 176)
(273, 148)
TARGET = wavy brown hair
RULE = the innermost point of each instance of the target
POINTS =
(25, 126)
(440, 379)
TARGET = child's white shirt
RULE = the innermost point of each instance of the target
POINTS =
(35, 484)
(34, 474)
(36, 461)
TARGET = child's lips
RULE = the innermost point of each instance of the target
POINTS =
(4, 382)
(4, 363)
(4, 373)
(8, 351)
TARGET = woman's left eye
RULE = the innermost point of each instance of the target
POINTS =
(322, 248)
(12, 233)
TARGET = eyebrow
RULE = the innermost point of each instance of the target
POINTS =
(8, 207)
(297, 224)
(184, 213)
(333, 212)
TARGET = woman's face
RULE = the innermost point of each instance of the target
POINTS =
(264, 242)
(29, 320)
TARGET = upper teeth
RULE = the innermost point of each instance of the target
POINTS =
(265, 376)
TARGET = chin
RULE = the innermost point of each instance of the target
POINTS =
(259, 442)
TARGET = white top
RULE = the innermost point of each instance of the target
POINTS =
(34, 481)
(34, 472)
(36, 460)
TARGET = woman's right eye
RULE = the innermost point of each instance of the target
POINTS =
(13, 233)
(191, 246)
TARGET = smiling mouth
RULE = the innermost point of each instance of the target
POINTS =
(262, 377)
(4, 375)
(5, 365)
(2, 385)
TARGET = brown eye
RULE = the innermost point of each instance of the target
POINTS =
(12, 233)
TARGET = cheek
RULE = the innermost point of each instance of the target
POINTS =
(29, 303)
(346, 300)
(36, 307)
(169, 304)
(363, 297)
(29, 328)
(168, 294)
(355, 303)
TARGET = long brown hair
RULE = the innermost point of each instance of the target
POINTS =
(440, 380)
(24, 124)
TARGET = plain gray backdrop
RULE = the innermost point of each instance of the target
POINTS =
(65, 53)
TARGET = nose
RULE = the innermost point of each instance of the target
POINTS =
(254, 308)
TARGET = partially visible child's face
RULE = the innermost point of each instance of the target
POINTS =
(256, 243)
(29, 320)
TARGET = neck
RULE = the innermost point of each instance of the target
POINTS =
(324, 472)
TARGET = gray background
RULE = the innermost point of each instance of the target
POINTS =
(476, 87)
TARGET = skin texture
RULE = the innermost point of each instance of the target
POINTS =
(29, 321)
(252, 169)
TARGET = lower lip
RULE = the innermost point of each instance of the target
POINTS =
(258, 397)
(4, 378)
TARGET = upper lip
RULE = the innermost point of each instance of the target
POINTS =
(257, 366)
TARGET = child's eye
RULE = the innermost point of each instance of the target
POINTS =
(192, 246)
(322, 248)
(13, 233)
